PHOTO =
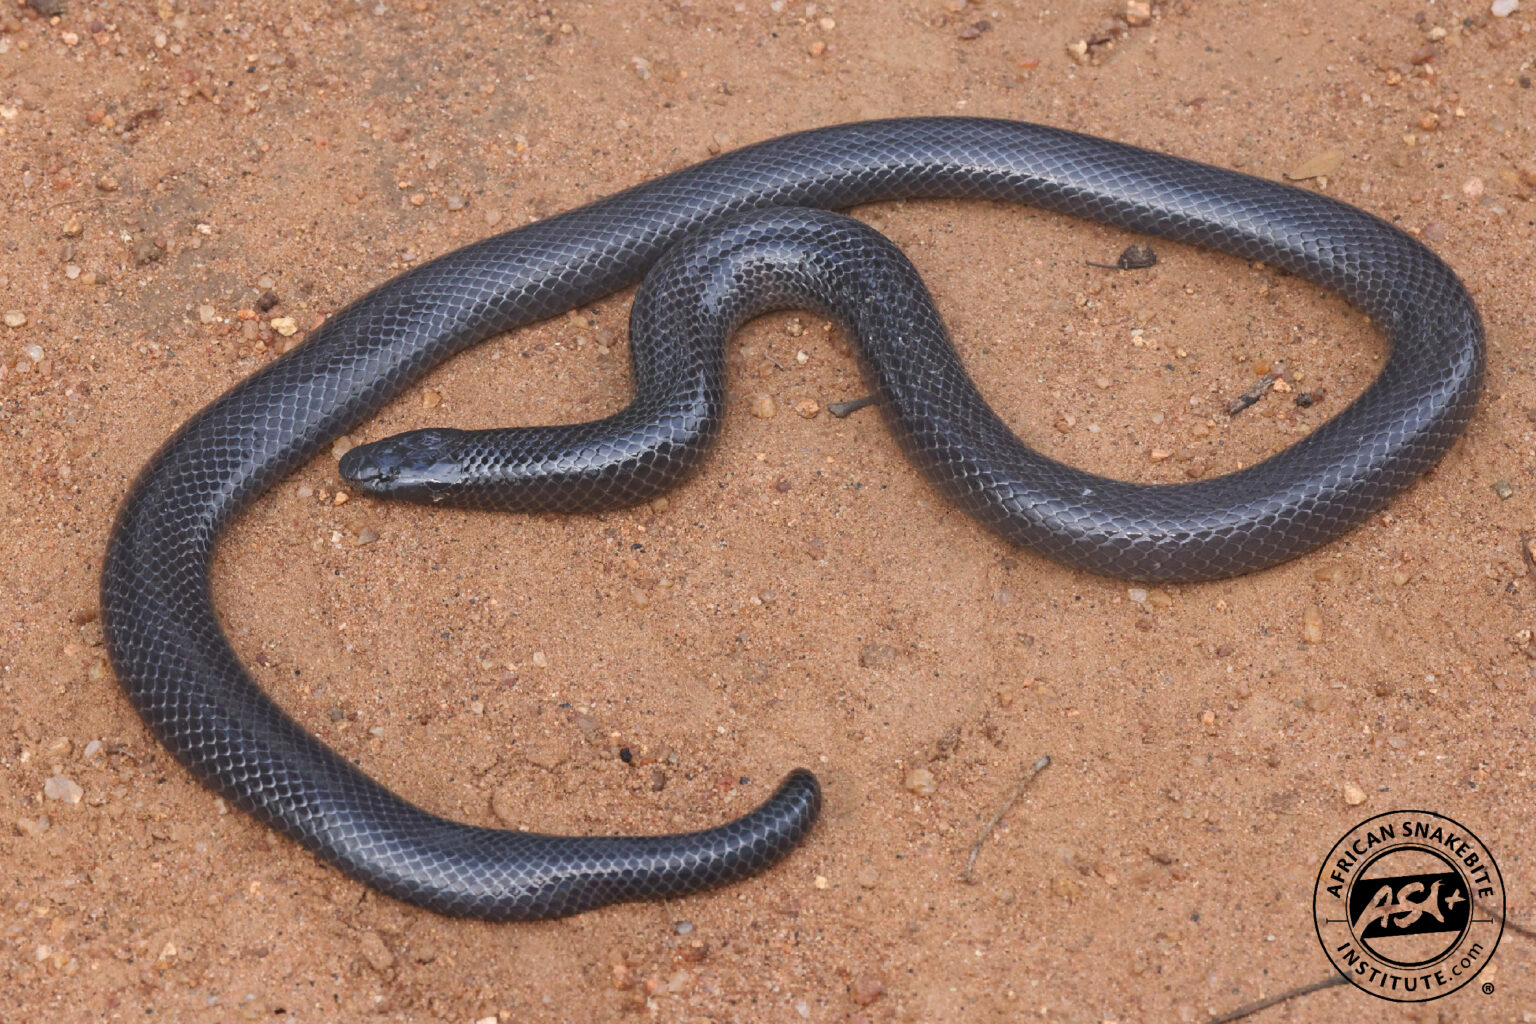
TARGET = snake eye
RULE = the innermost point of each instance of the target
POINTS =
(417, 464)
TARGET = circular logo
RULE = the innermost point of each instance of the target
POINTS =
(1409, 906)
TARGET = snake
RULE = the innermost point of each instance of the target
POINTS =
(717, 243)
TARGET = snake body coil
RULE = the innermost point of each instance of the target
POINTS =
(178, 669)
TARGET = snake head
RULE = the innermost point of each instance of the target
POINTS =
(419, 465)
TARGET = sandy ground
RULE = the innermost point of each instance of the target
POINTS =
(804, 600)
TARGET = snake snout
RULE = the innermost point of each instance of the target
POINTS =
(409, 465)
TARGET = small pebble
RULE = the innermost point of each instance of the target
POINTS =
(32, 827)
(683, 927)
(877, 656)
(540, 660)
(807, 409)
(1503, 8)
(366, 536)
(73, 228)
(1503, 489)
(866, 988)
(60, 788)
(15, 318)
(431, 399)
(1312, 624)
(375, 952)
(207, 314)
(764, 407)
(1353, 794)
(285, 325)
(1472, 188)
(921, 782)
(456, 202)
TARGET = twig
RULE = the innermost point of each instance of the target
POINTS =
(1518, 929)
(968, 876)
(1263, 1004)
(841, 409)
(1253, 394)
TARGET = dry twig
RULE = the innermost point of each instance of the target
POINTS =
(967, 876)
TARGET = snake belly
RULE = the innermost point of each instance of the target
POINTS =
(179, 671)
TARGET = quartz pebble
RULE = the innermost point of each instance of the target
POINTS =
(764, 407)
(921, 782)
(60, 788)
(1312, 624)
(285, 325)
(1503, 8)
(15, 318)
(1353, 794)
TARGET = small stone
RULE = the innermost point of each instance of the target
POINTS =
(1312, 624)
(1353, 794)
(375, 952)
(683, 927)
(764, 407)
(266, 300)
(285, 325)
(1472, 188)
(868, 877)
(107, 183)
(1503, 8)
(921, 782)
(658, 780)
(866, 988)
(1318, 166)
(456, 202)
(506, 805)
(60, 788)
(540, 660)
(877, 656)
(73, 228)
(492, 218)
(975, 29)
(15, 318)
(32, 827)
(367, 535)
(1503, 489)
(1137, 595)
(1137, 12)
(207, 314)
(431, 399)
(807, 409)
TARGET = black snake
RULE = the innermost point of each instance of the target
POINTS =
(178, 669)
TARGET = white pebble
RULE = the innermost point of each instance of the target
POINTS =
(1504, 8)
(60, 788)
(15, 318)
